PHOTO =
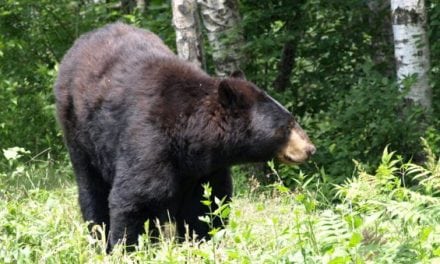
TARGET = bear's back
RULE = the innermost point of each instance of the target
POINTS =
(104, 65)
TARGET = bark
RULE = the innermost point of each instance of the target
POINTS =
(295, 31)
(187, 26)
(222, 23)
(379, 20)
(285, 66)
(411, 48)
(124, 6)
(128, 6)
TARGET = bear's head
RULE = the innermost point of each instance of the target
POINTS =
(264, 129)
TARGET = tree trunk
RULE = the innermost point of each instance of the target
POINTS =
(411, 49)
(128, 6)
(285, 66)
(379, 19)
(222, 22)
(188, 37)
(295, 32)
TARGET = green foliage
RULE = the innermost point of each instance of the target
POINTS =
(428, 175)
(358, 126)
(343, 83)
(221, 211)
(23, 170)
(364, 120)
(378, 220)
(412, 212)
(327, 50)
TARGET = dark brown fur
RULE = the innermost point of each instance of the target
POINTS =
(145, 130)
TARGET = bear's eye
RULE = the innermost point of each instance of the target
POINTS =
(283, 130)
(279, 132)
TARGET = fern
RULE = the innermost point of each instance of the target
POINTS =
(412, 212)
(427, 175)
(383, 198)
(359, 188)
(331, 229)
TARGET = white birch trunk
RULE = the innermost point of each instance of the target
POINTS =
(222, 22)
(411, 49)
(188, 37)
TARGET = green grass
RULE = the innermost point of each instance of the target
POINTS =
(376, 219)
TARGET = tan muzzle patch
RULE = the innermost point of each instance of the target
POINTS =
(298, 148)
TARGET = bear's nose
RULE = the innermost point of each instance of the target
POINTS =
(310, 150)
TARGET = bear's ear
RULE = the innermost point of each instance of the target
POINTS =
(229, 96)
(238, 74)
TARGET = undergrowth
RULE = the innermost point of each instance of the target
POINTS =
(389, 216)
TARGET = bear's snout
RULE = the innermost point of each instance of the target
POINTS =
(298, 148)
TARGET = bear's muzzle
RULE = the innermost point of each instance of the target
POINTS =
(298, 148)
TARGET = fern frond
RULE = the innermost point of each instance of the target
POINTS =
(388, 166)
(421, 199)
(427, 175)
(359, 188)
(331, 229)
(411, 212)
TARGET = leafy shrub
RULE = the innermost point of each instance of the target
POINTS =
(20, 171)
(383, 197)
(359, 125)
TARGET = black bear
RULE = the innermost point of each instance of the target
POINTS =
(145, 130)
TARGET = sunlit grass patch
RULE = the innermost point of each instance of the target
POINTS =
(377, 220)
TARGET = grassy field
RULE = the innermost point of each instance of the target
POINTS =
(371, 219)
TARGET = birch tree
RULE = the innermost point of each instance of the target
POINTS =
(187, 26)
(411, 49)
(222, 23)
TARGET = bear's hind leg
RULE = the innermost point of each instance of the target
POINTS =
(93, 191)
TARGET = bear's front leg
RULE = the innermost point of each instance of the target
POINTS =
(139, 194)
(126, 225)
(192, 207)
